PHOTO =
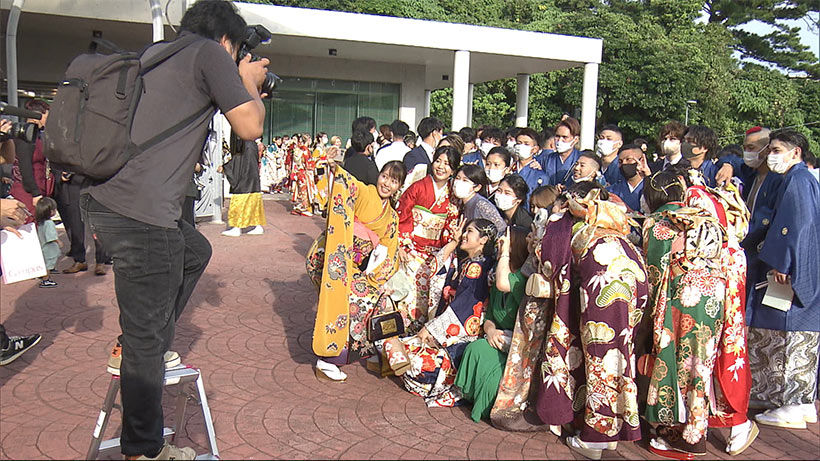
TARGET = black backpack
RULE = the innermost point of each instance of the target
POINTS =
(88, 130)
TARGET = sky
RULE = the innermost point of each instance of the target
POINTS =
(808, 35)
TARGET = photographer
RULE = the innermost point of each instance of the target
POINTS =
(32, 178)
(158, 257)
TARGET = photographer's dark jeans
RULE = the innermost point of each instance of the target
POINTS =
(155, 272)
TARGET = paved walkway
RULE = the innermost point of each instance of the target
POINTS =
(248, 327)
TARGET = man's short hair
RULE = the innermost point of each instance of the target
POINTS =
(627, 147)
(592, 156)
(467, 134)
(363, 124)
(360, 140)
(215, 19)
(613, 128)
(573, 125)
(399, 130)
(530, 133)
(792, 138)
(428, 125)
(492, 132)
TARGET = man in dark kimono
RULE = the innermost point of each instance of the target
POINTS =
(783, 340)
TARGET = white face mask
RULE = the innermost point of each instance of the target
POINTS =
(494, 175)
(776, 163)
(585, 178)
(563, 146)
(671, 146)
(324, 140)
(510, 143)
(504, 202)
(462, 189)
(486, 147)
(752, 159)
(605, 147)
(524, 151)
(816, 173)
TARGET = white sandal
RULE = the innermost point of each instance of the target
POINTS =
(329, 372)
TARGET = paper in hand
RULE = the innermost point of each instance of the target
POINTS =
(22, 257)
(778, 295)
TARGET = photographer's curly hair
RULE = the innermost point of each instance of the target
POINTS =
(485, 228)
(215, 19)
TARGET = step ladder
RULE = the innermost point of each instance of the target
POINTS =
(186, 379)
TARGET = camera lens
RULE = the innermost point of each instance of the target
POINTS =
(269, 83)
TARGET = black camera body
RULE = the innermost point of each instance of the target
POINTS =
(26, 131)
(254, 36)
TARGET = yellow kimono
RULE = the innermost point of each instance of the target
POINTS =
(358, 222)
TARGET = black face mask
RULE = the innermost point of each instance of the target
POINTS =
(629, 170)
(686, 150)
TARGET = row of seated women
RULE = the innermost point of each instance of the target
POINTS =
(566, 326)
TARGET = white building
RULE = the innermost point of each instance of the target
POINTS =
(336, 66)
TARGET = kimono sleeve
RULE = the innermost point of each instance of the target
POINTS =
(405, 209)
(463, 316)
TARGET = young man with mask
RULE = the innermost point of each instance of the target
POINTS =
(633, 168)
(158, 257)
(527, 145)
(698, 148)
(783, 341)
(499, 165)
(670, 139)
(489, 138)
(587, 168)
(610, 140)
(359, 163)
(558, 165)
(431, 130)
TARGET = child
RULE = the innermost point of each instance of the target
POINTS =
(427, 362)
(45, 209)
(484, 360)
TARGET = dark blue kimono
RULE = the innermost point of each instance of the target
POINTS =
(792, 246)
(613, 174)
(534, 178)
(557, 171)
(473, 158)
(631, 198)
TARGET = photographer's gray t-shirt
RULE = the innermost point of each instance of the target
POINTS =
(151, 187)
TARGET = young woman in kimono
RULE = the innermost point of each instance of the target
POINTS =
(427, 362)
(303, 186)
(588, 368)
(684, 252)
(427, 221)
(362, 229)
(483, 364)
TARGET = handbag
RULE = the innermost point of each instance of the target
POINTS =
(538, 286)
(386, 324)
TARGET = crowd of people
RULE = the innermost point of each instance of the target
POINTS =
(585, 292)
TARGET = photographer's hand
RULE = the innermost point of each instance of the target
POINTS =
(253, 72)
(247, 119)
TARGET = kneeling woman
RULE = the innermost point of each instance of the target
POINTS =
(427, 362)
(350, 262)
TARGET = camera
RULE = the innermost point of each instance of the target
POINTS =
(26, 131)
(253, 37)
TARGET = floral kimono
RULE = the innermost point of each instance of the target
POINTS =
(303, 185)
(357, 223)
(426, 219)
(684, 252)
(600, 293)
(732, 376)
(456, 324)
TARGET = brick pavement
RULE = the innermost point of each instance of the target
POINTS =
(248, 327)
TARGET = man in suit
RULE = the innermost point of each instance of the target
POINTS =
(430, 130)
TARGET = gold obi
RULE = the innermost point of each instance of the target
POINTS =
(428, 225)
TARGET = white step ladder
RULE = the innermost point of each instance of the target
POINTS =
(183, 376)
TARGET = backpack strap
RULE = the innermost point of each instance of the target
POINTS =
(174, 129)
(173, 48)
(108, 44)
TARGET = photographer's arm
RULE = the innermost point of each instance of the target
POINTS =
(7, 152)
(247, 119)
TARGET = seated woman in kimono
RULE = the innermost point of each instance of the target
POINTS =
(588, 367)
(427, 362)
(481, 368)
(350, 262)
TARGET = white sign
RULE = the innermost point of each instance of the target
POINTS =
(21, 258)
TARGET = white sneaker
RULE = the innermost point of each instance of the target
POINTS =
(329, 372)
(258, 230)
(787, 416)
(809, 413)
(232, 232)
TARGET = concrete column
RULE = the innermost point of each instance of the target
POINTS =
(589, 103)
(522, 99)
(427, 102)
(470, 106)
(461, 90)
